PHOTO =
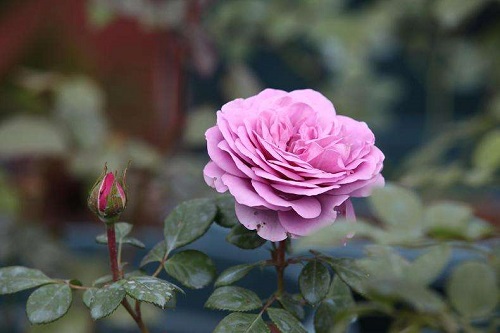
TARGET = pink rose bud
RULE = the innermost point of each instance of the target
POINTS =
(107, 198)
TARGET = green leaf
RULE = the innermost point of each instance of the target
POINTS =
(314, 281)
(48, 303)
(324, 317)
(192, 268)
(478, 228)
(293, 305)
(339, 298)
(88, 296)
(415, 295)
(134, 242)
(244, 238)
(472, 289)
(17, 278)
(233, 299)
(226, 216)
(106, 300)
(156, 254)
(242, 323)
(348, 271)
(285, 321)
(122, 229)
(188, 222)
(428, 266)
(101, 239)
(103, 280)
(383, 262)
(149, 289)
(487, 155)
(340, 294)
(397, 207)
(336, 235)
(447, 220)
(233, 274)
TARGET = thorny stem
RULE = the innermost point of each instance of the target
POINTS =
(117, 275)
(113, 254)
(280, 264)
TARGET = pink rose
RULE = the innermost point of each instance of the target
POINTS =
(290, 162)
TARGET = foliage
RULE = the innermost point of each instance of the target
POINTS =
(193, 269)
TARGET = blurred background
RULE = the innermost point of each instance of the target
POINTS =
(85, 82)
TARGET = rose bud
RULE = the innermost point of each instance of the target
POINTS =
(108, 198)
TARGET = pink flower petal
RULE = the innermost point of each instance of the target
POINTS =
(264, 221)
(299, 226)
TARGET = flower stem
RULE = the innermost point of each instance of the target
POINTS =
(117, 275)
(280, 263)
(113, 253)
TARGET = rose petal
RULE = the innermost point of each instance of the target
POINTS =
(306, 207)
(213, 177)
(264, 221)
(299, 226)
(244, 193)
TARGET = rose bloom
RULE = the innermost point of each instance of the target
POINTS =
(290, 161)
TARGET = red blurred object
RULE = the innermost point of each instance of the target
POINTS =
(142, 71)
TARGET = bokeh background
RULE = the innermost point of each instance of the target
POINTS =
(85, 82)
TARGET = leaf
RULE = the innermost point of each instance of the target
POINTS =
(335, 235)
(101, 239)
(383, 262)
(340, 294)
(188, 222)
(428, 266)
(156, 254)
(244, 238)
(417, 296)
(103, 280)
(134, 242)
(293, 305)
(339, 298)
(226, 216)
(149, 289)
(397, 207)
(106, 300)
(477, 229)
(242, 323)
(233, 299)
(472, 289)
(48, 303)
(233, 274)
(17, 278)
(447, 220)
(487, 155)
(192, 268)
(122, 229)
(314, 281)
(324, 317)
(348, 271)
(285, 321)
(88, 296)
